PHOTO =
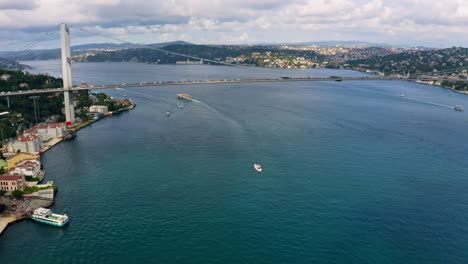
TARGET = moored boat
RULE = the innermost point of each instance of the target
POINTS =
(45, 216)
(70, 136)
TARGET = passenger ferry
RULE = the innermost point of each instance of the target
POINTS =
(43, 215)
(459, 108)
(186, 97)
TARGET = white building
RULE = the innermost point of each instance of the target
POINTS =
(47, 131)
(29, 144)
(102, 109)
(5, 77)
(27, 168)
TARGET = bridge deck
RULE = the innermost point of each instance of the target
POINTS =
(145, 84)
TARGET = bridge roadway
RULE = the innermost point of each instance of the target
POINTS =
(167, 83)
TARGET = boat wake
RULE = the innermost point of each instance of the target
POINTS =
(430, 103)
(218, 113)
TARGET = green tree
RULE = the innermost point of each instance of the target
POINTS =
(16, 194)
(2, 208)
(2, 192)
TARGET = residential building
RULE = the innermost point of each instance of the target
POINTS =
(125, 102)
(12, 182)
(101, 109)
(5, 77)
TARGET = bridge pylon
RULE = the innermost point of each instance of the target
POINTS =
(66, 74)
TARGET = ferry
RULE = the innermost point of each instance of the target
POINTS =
(258, 167)
(186, 97)
(459, 108)
(43, 215)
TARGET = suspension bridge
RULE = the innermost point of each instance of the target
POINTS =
(68, 87)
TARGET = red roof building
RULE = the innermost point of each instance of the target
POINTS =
(12, 182)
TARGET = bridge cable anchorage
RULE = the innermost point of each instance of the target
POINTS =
(176, 53)
(28, 46)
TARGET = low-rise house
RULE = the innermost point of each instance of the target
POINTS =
(24, 85)
(101, 109)
(12, 182)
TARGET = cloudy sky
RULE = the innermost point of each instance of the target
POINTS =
(404, 22)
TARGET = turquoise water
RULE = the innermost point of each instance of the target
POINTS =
(353, 173)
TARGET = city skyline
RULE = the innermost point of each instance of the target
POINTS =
(406, 23)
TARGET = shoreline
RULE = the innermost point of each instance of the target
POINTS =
(5, 221)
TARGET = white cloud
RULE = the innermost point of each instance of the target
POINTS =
(211, 21)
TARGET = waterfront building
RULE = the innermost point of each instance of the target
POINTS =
(27, 168)
(101, 109)
(12, 182)
(29, 144)
(125, 102)
(189, 62)
(18, 158)
(47, 131)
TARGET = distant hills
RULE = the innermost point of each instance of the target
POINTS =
(333, 43)
(10, 64)
(50, 54)
(127, 45)
(47, 54)
(415, 61)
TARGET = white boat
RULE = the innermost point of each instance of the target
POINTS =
(402, 95)
(168, 113)
(258, 167)
(459, 108)
(43, 215)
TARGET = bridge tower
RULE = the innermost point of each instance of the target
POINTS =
(66, 74)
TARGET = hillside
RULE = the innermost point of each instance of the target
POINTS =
(415, 61)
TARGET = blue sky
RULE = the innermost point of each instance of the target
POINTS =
(401, 22)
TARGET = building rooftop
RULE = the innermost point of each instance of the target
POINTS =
(24, 138)
(10, 177)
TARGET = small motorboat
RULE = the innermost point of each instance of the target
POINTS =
(459, 108)
(181, 106)
(258, 167)
(168, 113)
(402, 95)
